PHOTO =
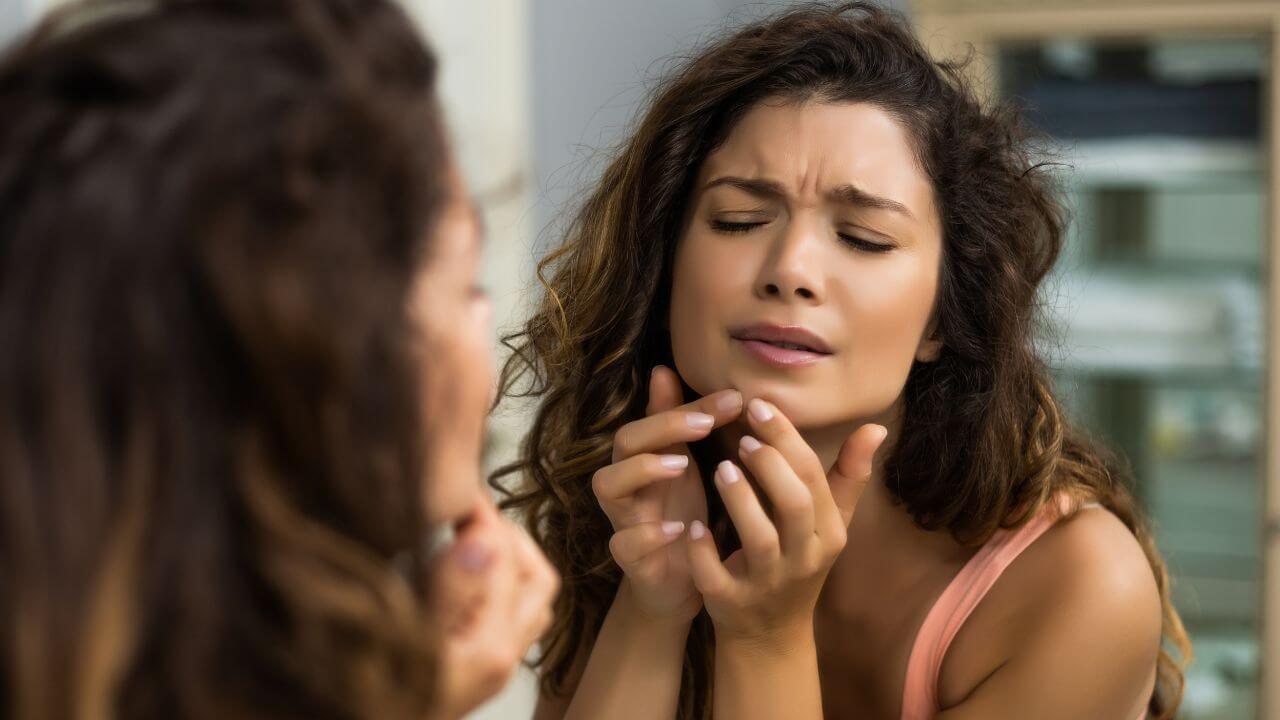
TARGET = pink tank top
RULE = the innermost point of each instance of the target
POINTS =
(958, 600)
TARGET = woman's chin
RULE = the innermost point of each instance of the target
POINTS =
(797, 404)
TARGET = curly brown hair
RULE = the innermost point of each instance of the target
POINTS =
(983, 443)
(211, 212)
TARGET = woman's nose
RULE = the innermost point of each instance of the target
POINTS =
(793, 270)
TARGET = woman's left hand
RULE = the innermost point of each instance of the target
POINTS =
(766, 592)
(492, 594)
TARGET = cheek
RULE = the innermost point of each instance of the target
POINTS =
(459, 361)
(701, 283)
(889, 314)
(457, 391)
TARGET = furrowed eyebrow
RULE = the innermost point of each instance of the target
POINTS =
(854, 195)
(767, 189)
(849, 194)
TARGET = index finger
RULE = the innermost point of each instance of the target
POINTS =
(775, 429)
(667, 426)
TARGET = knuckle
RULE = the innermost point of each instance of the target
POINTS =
(813, 474)
(716, 587)
(717, 590)
(794, 503)
(837, 539)
(622, 442)
(599, 484)
(618, 549)
(644, 575)
(761, 545)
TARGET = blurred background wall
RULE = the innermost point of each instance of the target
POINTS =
(11, 17)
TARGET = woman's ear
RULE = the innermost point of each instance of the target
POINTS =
(929, 350)
(929, 347)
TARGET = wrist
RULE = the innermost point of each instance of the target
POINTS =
(768, 674)
(763, 644)
(629, 607)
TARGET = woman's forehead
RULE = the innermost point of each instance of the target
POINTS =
(817, 146)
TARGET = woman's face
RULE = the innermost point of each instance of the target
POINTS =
(454, 315)
(808, 265)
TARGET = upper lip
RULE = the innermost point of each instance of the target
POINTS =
(790, 334)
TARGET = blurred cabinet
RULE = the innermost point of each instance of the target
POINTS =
(1163, 311)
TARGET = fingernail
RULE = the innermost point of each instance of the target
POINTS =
(760, 410)
(749, 444)
(883, 432)
(728, 473)
(697, 530)
(473, 556)
(729, 401)
(674, 462)
(671, 528)
(699, 421)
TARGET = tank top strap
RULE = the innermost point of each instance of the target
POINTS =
(958, 601)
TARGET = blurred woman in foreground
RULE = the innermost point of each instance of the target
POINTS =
(244, 375)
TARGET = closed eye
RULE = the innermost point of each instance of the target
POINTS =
(725, 226)
(853, 241)
(866, 245)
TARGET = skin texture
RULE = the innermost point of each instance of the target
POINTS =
(492, 587)
(805, 261)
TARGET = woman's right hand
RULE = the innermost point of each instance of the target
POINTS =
(492, 591)
(652, 491)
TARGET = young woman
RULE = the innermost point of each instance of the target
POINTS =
(244, 375)
(808, 286)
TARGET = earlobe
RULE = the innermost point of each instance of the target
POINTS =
(929, 351)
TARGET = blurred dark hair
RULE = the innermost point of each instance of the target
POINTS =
(211, 212)
(984, 443)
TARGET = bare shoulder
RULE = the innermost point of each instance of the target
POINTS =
(1093, 557)
(1081, 597)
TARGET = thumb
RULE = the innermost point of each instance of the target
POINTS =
(849, 476)
(665, 391)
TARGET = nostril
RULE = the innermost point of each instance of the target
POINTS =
(772, 289)
(805, 293)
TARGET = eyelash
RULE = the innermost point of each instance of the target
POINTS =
(851, 240)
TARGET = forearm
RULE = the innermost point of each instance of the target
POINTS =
(768, 678)
(635, 667)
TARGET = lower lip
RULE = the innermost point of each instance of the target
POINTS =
(780, 357)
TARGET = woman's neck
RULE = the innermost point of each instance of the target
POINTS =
(825, 441)
(880, 521)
